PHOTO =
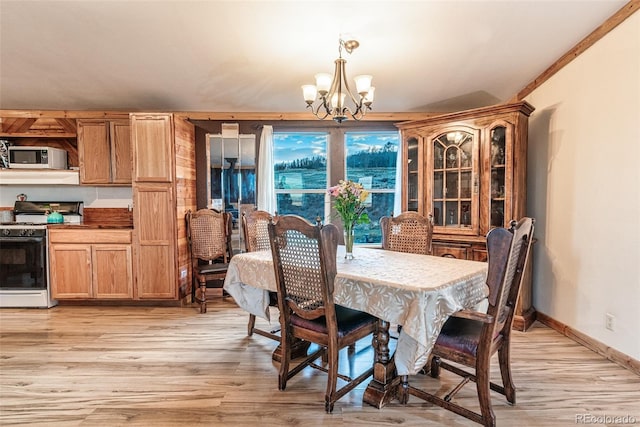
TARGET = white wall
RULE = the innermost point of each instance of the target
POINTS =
(584, 190)
(95, 197)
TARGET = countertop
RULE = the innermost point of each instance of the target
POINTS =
(90, 226)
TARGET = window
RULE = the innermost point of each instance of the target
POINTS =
(304, 169)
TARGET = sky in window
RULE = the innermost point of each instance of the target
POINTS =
(291, 146)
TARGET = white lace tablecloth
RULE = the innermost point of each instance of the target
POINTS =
(418, 292)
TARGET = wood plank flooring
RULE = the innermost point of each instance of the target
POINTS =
(147, 366)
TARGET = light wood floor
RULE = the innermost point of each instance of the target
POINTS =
(110, 366)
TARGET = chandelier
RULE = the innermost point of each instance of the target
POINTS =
(333, 93)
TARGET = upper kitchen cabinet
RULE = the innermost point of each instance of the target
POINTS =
(153, 154)
(103, 139)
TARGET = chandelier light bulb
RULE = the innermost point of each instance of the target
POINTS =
(323, 82)
(310, 93)
(363, 83)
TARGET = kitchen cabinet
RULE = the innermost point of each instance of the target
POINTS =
(154, 221)
(163, 190)
(468, 169)
(91, 264)
(153, 154)
(100, 140)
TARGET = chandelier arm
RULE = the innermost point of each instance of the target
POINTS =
(316, 111)
(337, 78)
(346, 85)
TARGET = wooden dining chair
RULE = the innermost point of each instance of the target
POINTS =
(255, 231)
(471, 338)
(207, 235)
(304, 258)
(408, 232)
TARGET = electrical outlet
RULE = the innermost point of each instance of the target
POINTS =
(609, 321)
(183, 273)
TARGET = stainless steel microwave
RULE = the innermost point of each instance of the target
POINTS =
(23, 157)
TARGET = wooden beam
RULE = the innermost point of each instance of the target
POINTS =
(615, 20)
(16, 125)
(298, 116)
(68, 125)
(201, 115)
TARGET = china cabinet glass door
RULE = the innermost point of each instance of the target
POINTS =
(454, 198)
(498, 176)
(413, 175)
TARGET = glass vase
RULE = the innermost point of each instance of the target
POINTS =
(348, 241)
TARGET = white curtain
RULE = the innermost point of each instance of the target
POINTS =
(266, 181)
(397, 196)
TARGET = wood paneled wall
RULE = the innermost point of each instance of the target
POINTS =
(185, 187)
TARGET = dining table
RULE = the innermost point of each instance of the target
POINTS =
(418, 292)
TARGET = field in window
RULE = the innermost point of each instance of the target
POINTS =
(310, 206)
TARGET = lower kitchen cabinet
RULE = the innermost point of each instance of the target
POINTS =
(90, 264)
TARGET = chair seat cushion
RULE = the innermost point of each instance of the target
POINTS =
(460, 335)
(348, 321)
(212, 268)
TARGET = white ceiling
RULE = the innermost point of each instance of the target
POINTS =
(253, 56)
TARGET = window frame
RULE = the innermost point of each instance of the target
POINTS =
(336, 151)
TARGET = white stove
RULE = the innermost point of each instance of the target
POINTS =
(24, 262)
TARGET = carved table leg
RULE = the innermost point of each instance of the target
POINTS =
(384, 384)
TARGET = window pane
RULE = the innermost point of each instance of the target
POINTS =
(300, 169)
(308, 206)
(300, 160)
(371, 159)
(381, 205)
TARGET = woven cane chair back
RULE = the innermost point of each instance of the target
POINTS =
(208, 235)
(255, 226)
(302, 270)
(408, 232)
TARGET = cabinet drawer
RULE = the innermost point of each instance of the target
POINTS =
(479, 255)
(89, 236)
(451, 251)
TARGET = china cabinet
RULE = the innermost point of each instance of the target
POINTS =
(468, 169)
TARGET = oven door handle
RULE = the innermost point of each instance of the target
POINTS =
(21, 239)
